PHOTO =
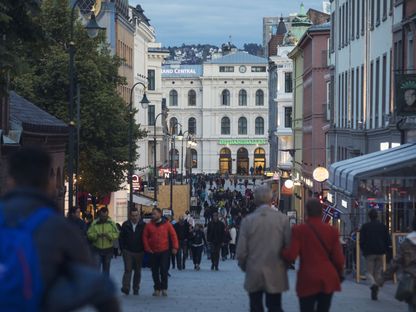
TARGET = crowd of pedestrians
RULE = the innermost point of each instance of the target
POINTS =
(239, 224)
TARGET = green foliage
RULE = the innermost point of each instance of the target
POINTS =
(104, 115)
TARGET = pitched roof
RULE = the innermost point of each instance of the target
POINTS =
(29, 117)
(239, 57)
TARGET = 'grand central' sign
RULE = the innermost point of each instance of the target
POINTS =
(242, 142)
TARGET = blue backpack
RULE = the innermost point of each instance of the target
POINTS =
(21, 288)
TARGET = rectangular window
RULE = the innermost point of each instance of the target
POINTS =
(343, 25)
(410, 49)
(384, 10)
(346, 106)
(378, 7)
(353, 104)
(331, 46)
(288, 117)
(371, 94)
(288, 82)
(358, 19)
(377, 97)
(357, 98)
(226, 69)
(151, 82)
(342, 101)
(339, 103)
(151, 115)
(353, 20)
(372, 14)
(347, 23)
(384, 87)
(340, 28)
(363, 19)
(362, 96)
(258, 69)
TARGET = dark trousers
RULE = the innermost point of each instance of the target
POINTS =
(132, 262)
(317, 303)
(197, 254)
(182, 255)
(232, 250)
(103, 258)
(273, 302)
(215, 254)
(160, 268)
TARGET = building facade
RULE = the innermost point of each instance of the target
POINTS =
(222, 104)
(361, 56)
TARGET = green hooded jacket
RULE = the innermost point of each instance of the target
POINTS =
(103, 234)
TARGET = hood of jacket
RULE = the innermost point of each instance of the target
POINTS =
(412, 237)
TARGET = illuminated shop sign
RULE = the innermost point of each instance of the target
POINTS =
(242, 142)
(179, 71)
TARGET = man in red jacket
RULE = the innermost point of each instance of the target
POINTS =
(321, 260)
(157, 237)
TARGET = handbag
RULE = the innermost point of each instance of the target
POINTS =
(405, 288)
(328, 254)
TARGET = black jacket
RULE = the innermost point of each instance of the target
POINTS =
(216, 232)
(129, 240)
(182, 230)
(374, 238)
(198, 238)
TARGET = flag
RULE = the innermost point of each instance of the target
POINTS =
(329, 212)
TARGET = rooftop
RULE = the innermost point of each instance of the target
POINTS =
(239, 58)
(27, 116)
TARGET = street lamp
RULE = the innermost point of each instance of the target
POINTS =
(172, 147)
(191, 143)
(181, 137)
(92, 29)
(145, 104)
(154, 160)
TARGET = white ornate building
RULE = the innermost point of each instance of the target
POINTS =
(223, 104)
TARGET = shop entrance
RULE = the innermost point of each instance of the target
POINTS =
(225, 161)
(259, 160)
(242, 161)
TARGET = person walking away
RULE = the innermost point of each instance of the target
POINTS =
(215, 235)
(321, 260)
(157, 236)
(405, 262)
(74, 217)
(374, 244)
(54, 249)
(182, 232)
(233, 241)
(131, 243)
(198, 242)
(265, 270)
(226, 244)
(102, 234)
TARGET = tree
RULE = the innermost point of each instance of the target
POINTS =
(104, 114)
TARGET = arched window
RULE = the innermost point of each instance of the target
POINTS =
(173, 125)
(194, 157)
(242, 125)
(259, 98)
(242, 98)
(225, 97)
(191, 98)
(225, 125)
(192, 125)
(173, 98)
(259, 125)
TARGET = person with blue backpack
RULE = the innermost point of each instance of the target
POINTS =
(45, 264)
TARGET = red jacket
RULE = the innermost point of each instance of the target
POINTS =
(157, 236)
(316, 273)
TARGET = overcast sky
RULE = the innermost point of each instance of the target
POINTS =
(213, 21)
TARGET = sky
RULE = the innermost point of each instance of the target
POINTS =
(214, 21)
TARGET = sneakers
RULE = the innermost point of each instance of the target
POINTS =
(216, 268)
(374, 292)
(164, 293)
(156, 293)
(198, 267)
(125, 291)
(212, 267)
(136, 292)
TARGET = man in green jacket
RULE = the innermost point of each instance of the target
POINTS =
(102, 234)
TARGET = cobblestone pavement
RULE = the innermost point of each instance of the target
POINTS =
(222, 291)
